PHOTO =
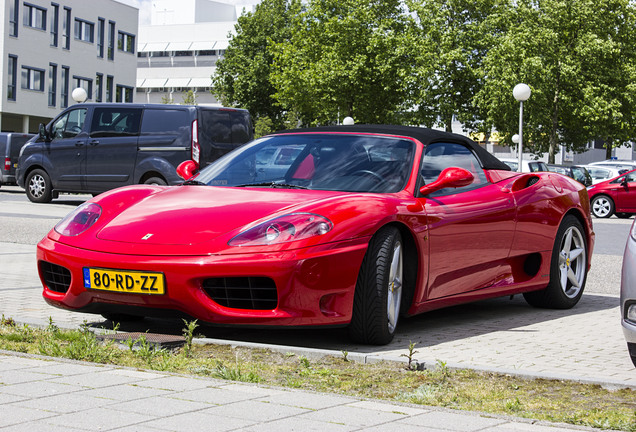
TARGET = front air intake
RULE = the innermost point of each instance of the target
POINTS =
(254, 293)
(56, 278)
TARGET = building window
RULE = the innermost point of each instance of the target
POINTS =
(66, 29)
(52, 84)
(13, 77)
(65, 83)
(124, 94)
(54, 23)
(84, 30)
(111, 40)
(14, 9)
(34, 16)
(126, 42)
(109, 88)
(101, 24)
(32, 78)
(99, 87)
(86, 84)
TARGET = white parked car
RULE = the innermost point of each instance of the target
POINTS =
(527, 165)
(601, 173)
(619, 164)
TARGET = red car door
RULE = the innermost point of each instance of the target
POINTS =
(470, 229)
(626, 193)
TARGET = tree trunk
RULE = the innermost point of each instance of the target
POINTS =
(449, 124)
(608, 148)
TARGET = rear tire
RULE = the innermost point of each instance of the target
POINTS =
(156, 181)
(378, 294)
(38, 187)
(568, 269)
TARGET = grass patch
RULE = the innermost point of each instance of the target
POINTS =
(557, 401)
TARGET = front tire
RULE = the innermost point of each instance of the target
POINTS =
(38, 187)
(378, 296)
(602, 206)
(568, 269)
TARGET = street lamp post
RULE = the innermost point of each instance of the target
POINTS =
(521, 92)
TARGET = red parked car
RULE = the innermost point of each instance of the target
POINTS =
(334, 226)
(615, 196)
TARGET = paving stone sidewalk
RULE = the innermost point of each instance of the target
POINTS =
(42, 394)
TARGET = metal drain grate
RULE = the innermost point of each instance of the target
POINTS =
(156, 340)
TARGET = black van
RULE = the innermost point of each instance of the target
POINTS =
(10, 145)
(95, 147)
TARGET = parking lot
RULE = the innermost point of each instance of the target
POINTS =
(505, 335)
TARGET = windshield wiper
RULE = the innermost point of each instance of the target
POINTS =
(193, 183)
(273, 185)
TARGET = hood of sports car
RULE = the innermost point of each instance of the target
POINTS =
(194, 214)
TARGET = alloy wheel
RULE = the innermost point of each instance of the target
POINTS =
(394, 295)
(572, 262)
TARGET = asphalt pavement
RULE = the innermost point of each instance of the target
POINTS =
(500, 335)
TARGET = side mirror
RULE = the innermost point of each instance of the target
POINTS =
(43, 133)
(187, 169)
(450, 177)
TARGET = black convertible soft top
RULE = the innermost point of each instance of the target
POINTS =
(424, 135)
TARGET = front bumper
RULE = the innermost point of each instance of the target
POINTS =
(314, 286)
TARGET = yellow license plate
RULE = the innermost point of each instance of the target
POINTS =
(124, 281)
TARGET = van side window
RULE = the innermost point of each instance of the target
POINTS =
(69, 125)
(439, 156)
(115, 122)
(165, 121)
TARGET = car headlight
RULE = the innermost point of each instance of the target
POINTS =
(79, 220)
(284, 229)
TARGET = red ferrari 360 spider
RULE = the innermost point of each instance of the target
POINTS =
(341, 226)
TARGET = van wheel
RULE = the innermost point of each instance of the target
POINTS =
(156, 181)
(38, 187)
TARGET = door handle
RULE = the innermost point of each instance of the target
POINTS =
(79, 144)
(94, 142)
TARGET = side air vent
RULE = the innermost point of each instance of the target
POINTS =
(532, 180)
(254, 293)
(56, 277)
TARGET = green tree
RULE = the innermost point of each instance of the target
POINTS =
(345, 58)
(451, 41)
(578, 61)
(189, 98)
(242, 77)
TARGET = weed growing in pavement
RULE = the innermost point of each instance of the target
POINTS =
(188, 334)
(410, 356)
(559, 401)
(235, 373)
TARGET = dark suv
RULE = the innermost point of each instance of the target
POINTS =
(10, 145)
(95, 147)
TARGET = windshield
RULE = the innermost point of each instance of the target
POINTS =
(342, 162)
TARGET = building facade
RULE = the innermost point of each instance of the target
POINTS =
(49, 48)
(178, 51)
